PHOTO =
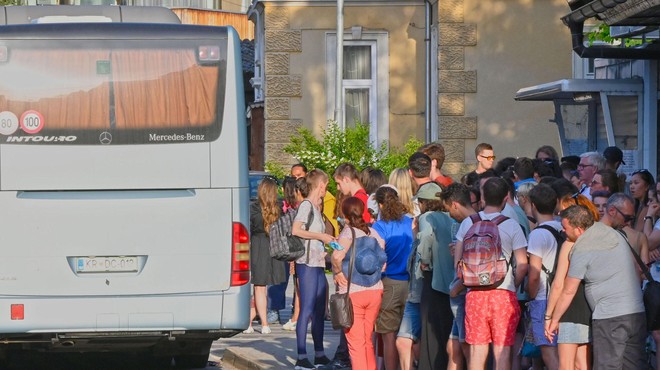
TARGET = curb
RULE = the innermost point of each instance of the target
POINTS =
(233, 357)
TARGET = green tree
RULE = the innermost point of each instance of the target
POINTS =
(336, 146)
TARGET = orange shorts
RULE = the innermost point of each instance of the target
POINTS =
(491, 316)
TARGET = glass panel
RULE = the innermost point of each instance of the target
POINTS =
(357, 62)
(140, 91)
(357, 106)
(624, 121)
(576, 127)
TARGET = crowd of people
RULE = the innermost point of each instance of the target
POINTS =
(568, 228)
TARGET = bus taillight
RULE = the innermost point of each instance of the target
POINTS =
(17, 312)
(240, 255)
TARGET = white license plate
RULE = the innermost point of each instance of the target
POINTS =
(107, 264)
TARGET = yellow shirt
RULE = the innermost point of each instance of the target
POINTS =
(329, 203)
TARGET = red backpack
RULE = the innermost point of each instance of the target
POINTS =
(483, 265)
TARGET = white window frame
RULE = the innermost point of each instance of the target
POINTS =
(378, 85)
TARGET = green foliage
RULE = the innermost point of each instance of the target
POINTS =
(276, 170)
(337, 146)
(602, 33)
(10, 2)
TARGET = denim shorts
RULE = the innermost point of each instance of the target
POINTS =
(458, 309)
(537, 313)
(411, 324)
(570, 332)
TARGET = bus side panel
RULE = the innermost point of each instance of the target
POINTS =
(49, 167)
(229, 153)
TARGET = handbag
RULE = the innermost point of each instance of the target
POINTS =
(341, 307)
(650, 295)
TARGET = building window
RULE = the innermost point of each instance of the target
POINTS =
(365, 81)
(359, 81)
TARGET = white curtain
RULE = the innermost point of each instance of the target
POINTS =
(357, 63)
(357, 106)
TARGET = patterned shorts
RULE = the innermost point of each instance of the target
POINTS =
(491, 316)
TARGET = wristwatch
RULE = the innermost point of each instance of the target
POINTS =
(648, 218)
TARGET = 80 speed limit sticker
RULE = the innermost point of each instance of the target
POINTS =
(8, 123)
(32, 121)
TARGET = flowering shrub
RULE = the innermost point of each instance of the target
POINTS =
(352, 145)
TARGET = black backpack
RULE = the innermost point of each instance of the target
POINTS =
(283, 245)
(560, 238)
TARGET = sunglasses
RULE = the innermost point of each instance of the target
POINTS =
(643, 170)
(489, 157)
(626, 218)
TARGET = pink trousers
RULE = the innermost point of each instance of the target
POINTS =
(366, 305)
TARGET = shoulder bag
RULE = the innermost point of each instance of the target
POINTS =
(651, 293)
(341, 307)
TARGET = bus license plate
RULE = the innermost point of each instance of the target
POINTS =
(107, 264)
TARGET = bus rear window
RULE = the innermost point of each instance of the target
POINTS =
(133, 92)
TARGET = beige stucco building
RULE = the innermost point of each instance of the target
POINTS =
(481, 51)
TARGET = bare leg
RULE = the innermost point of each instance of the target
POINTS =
(502, 357)
(567, 353)
(261, 303)
(389, 351)
(478, 356)
(516, 361)
(455, 355)
(404, 348)
(583, 357)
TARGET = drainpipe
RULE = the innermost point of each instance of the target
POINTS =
(646, 51)
(427, 39)
(339, 75)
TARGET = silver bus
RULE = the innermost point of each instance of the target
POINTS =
(123, 183)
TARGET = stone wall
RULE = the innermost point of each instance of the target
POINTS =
(454, 81)
(281, 85)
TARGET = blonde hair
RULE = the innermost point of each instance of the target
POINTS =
(576, 199)
(314, 178)
(406, 186)
(267, 195)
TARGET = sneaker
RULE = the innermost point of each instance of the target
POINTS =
(266, 330)
(290, 325)
(273, 317)
(336, 364)
(249, 330)
(319, 361)
(304, 364)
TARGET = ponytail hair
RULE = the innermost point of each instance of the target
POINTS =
(391, 207)
(353, 208)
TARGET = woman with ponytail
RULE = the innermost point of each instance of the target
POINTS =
(395, 227)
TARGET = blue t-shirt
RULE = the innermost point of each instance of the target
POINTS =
(398, 245)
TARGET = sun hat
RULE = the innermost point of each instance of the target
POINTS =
(369, 261)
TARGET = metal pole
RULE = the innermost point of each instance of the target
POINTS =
(428, 101)
(339, 75)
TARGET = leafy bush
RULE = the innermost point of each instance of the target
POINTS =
(337, 146)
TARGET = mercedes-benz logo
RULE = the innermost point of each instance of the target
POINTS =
(105, 137)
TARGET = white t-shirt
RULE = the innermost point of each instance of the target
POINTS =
(511, 236)
(316, 249)
(543, 244)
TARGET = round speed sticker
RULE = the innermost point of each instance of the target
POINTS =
(8, 123)
(32, 121)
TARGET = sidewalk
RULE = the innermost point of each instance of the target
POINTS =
(271, 351)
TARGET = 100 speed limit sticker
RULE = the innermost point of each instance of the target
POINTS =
(32, 121)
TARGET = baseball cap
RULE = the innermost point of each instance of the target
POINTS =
(613, 154)
(429, 191)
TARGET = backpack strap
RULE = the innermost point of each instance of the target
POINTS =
(475, 217)
(499, 219)
(558, 238)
